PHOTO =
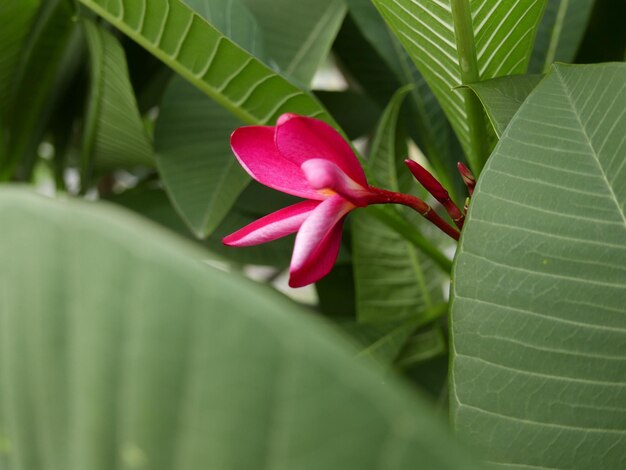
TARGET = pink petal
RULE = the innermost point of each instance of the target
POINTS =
(317, 242)
(255, 149)
(325, 175)
(275, 225)
(300, 138)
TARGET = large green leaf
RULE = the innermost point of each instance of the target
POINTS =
(453, 42)
(560, 32)
(114, 134)
(539, 291)
(197, 51)
(394, 281)
(121, 350)
(298, 34)
(502, 97)
(47, 60)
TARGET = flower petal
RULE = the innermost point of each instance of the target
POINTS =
(325, 175)
(317, 242)
(255, 149)
(275, 225)
(300, 138)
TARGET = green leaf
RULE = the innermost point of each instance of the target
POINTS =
(298, 34)
(48, 59)
(16, 17)
(453, 42)
(502, 97)
(429, 125)
(194, 157)
(193, 154)
(388, 149)
(234, 20)
(120, 350)
(363, 64)
(197, 51)
(538, 322)
(381, 342)
(560, 33)
(424, 345)
(114, 134)
(394, 281)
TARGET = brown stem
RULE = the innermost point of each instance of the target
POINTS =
(382, 196)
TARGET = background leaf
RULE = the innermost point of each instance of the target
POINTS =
(394, 281)
(155, 360)
(355, 112)
(193, 132)
(560, 32)
(428, 125)
(192, 143)
(538, 322)
(197, 51)
(503, 37)
(502, 97)
(194, 157)
(234, 20)
(48, 60)
(381, 342)
(298, 35)
(114, 134)
(16, 17)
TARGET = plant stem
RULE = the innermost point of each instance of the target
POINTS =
(464, 34)
(392, 219)
(382, 196)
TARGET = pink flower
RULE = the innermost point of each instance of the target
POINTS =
(307, 158)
